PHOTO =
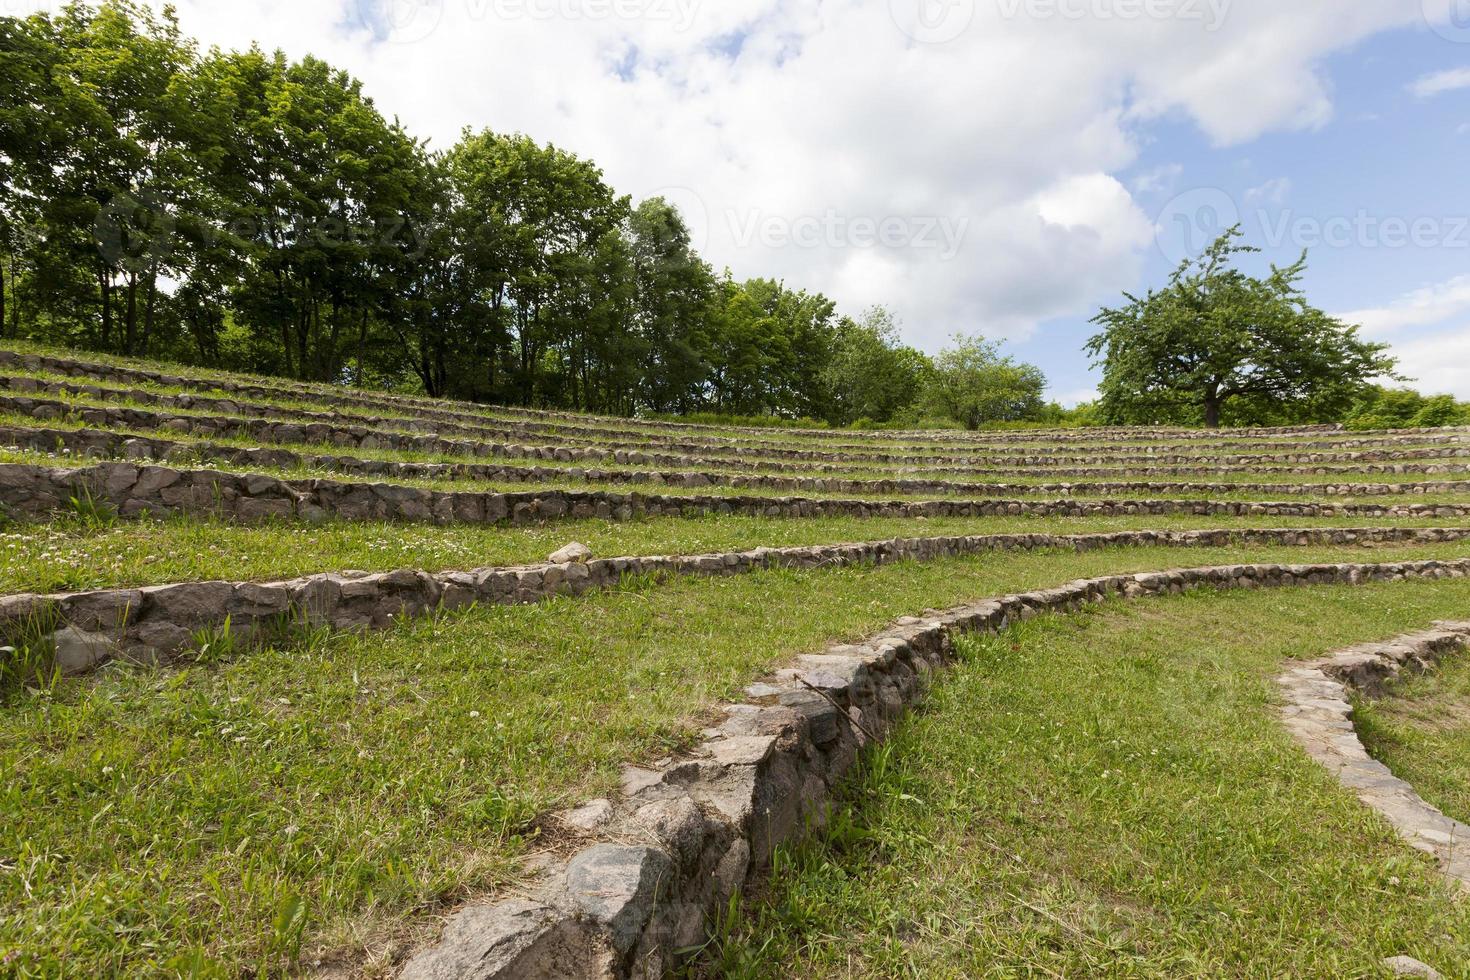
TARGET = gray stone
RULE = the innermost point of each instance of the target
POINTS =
(588, 817)
(574, 552)
(513, 940)
(78, 651)
(1407, 966)
(617, 886)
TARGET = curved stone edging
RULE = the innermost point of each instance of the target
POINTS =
(107, 444)
(438, 420)
(398, 432)
(158, 622)
(683, 838)
(39, 491)
(96, 370)
(1319, 714)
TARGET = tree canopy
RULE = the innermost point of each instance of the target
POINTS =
(1215, 335)
(244, 210)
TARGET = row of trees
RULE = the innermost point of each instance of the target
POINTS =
(242, 210)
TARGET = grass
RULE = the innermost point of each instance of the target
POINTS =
(223, 818)
(1110, 794)
(1278, 472)
(304, 472)
(1422, 730)
(79, 552)
(284, 394)
(732, 451)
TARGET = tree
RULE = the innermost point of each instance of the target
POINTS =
(870, 375)
(1214, 334)
(974, 385)
(676, 299)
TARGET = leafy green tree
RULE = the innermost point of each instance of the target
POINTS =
(532, 219)
(1215, 334)
(870, 374)
(677, 298)
(975, 385)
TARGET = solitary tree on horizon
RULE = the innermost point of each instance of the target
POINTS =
(1214, 334)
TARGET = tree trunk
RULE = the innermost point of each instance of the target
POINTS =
(1212, 413)
(104, 281)
(150, 305)
(130, 329)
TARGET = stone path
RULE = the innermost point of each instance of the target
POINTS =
(1319, 714)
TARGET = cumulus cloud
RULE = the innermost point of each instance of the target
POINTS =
(1007, 123)
(1425, 306)
(1436, 364)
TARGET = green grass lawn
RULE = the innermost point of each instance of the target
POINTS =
(1421, 730)
(1110, 794)
(217, 818)
(73, 555)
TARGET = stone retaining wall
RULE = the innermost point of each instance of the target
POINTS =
(97, 371)
(665, 857)
(159, 622)
(385, 432)
(480, 426)
(1318, 713)
(135, 491)
(109, 444)
(361, 437)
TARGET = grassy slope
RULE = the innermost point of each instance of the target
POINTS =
(71, 555)
(281, 393)
(1110, 794)
(1422, 731)
(217, 814)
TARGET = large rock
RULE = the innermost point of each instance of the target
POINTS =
(574, 553)
(616, 886)
(513, 940)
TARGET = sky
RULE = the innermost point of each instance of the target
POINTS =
(1001, 167)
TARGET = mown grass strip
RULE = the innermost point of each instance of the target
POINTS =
(1110, 794)
(60, 429)
(215, 818)
(1421, 731)
(79, 552)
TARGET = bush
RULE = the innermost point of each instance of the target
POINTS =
(1404, 408)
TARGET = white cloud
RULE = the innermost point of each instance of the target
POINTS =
(1436, 364)
(1014, 129)
(1423, 307)
(1273, 191)
(1158, 180)
(1439, 82)
(1076, 396)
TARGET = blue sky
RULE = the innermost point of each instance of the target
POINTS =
(1386, 154)
(1000, 167)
